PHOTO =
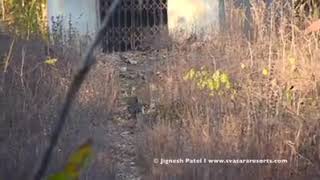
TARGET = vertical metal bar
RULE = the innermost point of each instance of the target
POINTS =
(117, 29)
(160, 13)
(222, 16)
(131, 29)
(113, 31)
(147, 13)
(154, 12)
(139, 25)
(165, 12)
(126, 25)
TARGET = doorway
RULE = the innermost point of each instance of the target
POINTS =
(132, 22)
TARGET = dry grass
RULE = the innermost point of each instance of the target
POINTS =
(271, 117)
(31, 94)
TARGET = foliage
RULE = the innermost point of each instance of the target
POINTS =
(51, 61)
(76, 162)
(215, 81)
(26, 16)
(265, 72)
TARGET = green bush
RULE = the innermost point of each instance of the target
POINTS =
(25, 17)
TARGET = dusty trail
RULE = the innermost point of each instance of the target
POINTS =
(135, 71)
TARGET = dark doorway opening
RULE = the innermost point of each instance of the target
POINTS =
(132, 22)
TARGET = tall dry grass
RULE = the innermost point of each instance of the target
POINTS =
(32, 92)
(272, 113)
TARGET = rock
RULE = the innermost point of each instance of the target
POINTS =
(133, 62)
(123, 69)
(142, 75)
(128, 60)
(125, 133)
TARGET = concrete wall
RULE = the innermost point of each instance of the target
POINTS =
(187, 15)
(193, 15)
(83, 13)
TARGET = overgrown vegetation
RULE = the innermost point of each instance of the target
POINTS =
(221, 98)
(25, 17)
(32, 89)
(307, 7)
(273, 113)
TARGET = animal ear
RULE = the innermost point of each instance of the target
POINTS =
(313, 27)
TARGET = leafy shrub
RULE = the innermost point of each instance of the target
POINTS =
(217, 82)
(75, 164)
(25, 17)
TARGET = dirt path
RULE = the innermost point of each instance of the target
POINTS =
(135, 71)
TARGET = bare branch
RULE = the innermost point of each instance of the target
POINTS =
(89, 60)
(3, 10)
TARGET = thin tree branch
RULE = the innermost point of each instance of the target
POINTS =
(89, 60)
(3, 10)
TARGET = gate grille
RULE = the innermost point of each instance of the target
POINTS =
(133, 23)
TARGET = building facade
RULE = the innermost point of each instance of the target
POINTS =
(134, 20)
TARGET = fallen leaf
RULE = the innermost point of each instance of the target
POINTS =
(265, 72)
(52, 61)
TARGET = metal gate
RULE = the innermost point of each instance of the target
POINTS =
(132, 23)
